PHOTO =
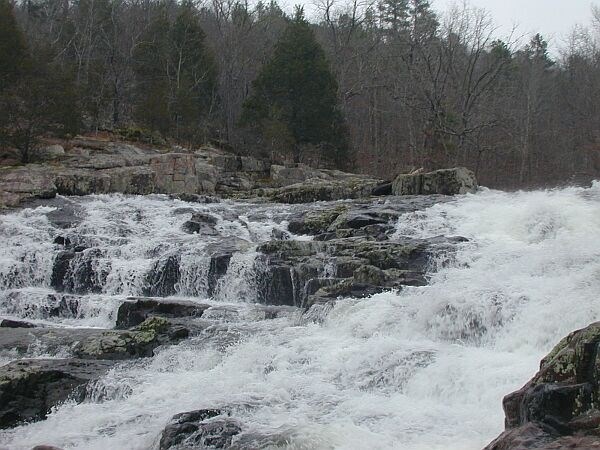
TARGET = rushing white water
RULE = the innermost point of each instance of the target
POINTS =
(422, 369)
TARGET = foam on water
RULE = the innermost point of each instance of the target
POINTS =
(422, 369)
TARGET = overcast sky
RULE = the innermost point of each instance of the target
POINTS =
(552, 18)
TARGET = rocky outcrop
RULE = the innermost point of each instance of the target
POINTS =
(204, 428)
(30, 388)
(445, 181)
(96, 166)
(558, 408)
(20, 184)
(352, 254)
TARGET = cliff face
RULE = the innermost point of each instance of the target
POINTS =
(558, 408)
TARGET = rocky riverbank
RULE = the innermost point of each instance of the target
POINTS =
(558, 407)
(97, 166)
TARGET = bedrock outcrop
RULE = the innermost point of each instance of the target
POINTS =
(558, 408)
(97, 166)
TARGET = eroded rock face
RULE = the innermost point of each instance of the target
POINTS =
(445, 181)
(558, 408)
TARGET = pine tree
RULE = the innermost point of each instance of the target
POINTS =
(295, 95)
(13, 52)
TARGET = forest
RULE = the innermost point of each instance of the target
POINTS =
(377, 87)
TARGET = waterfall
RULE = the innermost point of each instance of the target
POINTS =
(422, 368)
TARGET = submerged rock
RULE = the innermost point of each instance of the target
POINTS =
(204, 428)
(30, 388)
(558, 407)
(444, 181)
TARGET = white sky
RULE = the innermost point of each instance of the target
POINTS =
(553, 18)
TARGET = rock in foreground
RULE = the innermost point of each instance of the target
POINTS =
(204, 428)
(445, 181)
(558, 408)
(30, 388)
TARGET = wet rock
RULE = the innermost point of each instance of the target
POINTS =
(89, 343)
(136, 310)
(205, 428)
(445, 181)
(8, 323)
(315, 190)
(201, 223)
(162, 279)
(363, 265)
(280, 235)
(195, 198)
(76, 271)
(558, 408)
(29, 389)
(43, 306)
(315, 222)
(67, 215)
(62, 240)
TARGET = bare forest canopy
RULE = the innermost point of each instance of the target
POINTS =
(377, 87)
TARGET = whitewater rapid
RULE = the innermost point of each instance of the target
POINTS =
(422, 369)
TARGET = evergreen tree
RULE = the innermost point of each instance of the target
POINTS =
(37, 96)
(394, 15)
(152, 80)
(295, 95)
(176, 76)
(13, 52)
(194, 72)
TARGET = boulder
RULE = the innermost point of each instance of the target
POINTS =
(557, 408)
(30, 388)
(445, 181)
(205, 428)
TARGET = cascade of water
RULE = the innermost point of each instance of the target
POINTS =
(421, 369)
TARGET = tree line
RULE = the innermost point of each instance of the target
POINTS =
(379, 87)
